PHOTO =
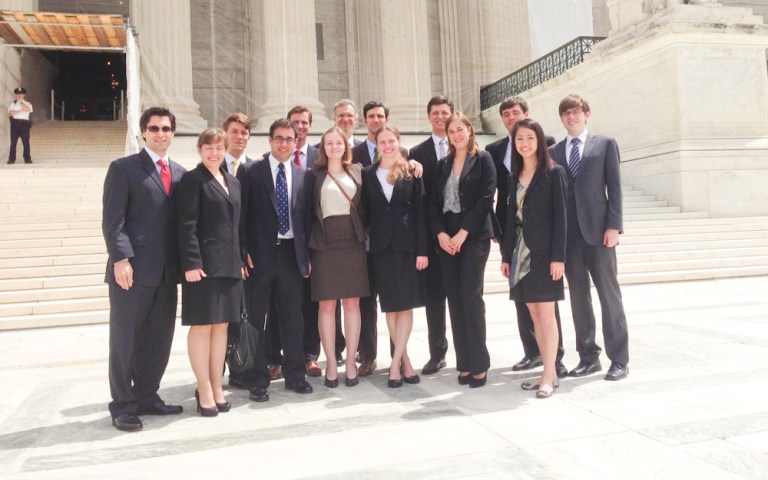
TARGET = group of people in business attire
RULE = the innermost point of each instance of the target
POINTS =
(366, 225)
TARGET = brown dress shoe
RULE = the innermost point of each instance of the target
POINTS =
(274, 371)
(366, 368)
(313, 369)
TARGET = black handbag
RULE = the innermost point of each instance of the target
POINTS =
(242, 344)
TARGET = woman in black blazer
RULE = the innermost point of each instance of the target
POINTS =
(396, 211)
(533, 251)
(212, 258)
(462, 219)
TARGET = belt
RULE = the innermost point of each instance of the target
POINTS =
(283, 241)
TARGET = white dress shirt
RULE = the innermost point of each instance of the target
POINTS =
(273, 165)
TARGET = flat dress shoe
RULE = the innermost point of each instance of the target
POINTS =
(396, 383)
(534, 386)
(366, 368)
(585, 368)
(301, 386)
(160, 408)
(617, 372)
(545, 392)
(273, 370)
(313, 369)
(258, 394)
(351, 382)
(413, 380)
(331, 383)
(561, 370)
(527, 363)
(477, 382)
(464, 379)
(127, 423)
(433, 366)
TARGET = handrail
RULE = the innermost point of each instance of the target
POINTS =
(537, 72)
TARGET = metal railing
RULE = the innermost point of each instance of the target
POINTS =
(117, 110)
(539, 71)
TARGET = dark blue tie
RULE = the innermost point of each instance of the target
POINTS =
(574, 159)
(281, 193)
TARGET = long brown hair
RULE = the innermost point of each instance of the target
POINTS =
(346, 158)
(471, 144)
(401, 168)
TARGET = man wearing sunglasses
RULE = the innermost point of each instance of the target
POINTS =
(142, 271)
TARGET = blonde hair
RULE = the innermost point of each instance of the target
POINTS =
(346, 158)
(401, 168)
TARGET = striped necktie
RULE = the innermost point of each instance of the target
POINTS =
(574, 159)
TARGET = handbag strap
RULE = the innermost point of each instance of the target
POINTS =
(343, 192)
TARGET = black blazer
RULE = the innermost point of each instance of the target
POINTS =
(477, 186)
(497, 150)
(259, 220)
(138, 219)
(360, 154)
(425, 154)
(313, 153)
(314, 184)
(400, 223)
(544, 217)
(208, 224)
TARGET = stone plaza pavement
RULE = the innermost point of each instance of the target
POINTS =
(693, 407)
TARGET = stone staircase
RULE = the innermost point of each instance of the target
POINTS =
(52, 255)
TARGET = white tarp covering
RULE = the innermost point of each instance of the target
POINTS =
(556, 22)
(133, 95)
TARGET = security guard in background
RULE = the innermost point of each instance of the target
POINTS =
(19, 112)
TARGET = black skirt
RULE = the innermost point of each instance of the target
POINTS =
(397, 281)
(211, 301)
(537, 285)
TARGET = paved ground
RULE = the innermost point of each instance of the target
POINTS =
(694, 407)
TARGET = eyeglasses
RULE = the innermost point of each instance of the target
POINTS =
(287, 140)
(155, 129)
(574, 112)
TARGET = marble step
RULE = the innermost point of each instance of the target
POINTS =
(17, 322)
(63, 293)
(632, 217)
(32, 283)
(54, 306)
(74, 232)
(50, 242)
(38, 226)
(31, 253)
(81, 217)
(52, 271)
(53, 260)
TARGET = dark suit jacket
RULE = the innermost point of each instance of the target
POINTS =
(248, 161)
(312, 155)
(544, 217)
(139, 221)
(259, 220)
(477, 186)
(314, 183)
(497, 150)
(425, 154)
(596, 192)
(208, 224)
(401, 223)
(360, 154)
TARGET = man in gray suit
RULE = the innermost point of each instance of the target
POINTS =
(304, 154)
(594, 224)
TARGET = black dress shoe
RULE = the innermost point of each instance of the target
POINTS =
(433, 366)
(351, 382)
(302, 386)
(585, 368)
(331, 383)
(477, 382)
(617, 372)
(160, 408)
(258, 394)
(28, 160)
(223, 407)
(127, 423)
(413, 380)
(396, 383)
(562, 372)
(527, 363)
(464, 380)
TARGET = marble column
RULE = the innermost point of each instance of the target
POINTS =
(393, 62)
(284, 61)
(164, 41)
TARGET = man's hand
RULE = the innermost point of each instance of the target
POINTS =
(418, 170)
(194, 275)
(505, 269)
(611, 238)
(124, 274)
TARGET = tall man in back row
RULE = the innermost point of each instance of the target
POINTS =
(139, 226)
(594, 224)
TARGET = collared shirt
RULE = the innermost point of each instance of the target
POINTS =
(508, 154)
(436, 140)
(16, 111)
(568, 146)
(230, 159)
(371, 147)
(351, 140)
(273, 166)
(302, 155)
(155, 157)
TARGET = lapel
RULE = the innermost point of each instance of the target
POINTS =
(588, 145)
(297, 181)
(558, 154)
(376, 184)
(536, 177)
(264, 170)
(469, 163)
(213, 182)
(151, 169)
(503, 155)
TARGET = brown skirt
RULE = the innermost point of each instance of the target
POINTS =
(341, 270)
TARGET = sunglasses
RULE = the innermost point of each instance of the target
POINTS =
(155, 129)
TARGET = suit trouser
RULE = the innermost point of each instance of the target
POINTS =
(463, 275)
(435, 307)
(368, 317)
(582, 261)
(20, 129)
(285, 280)
(528, 336)
(141, 324)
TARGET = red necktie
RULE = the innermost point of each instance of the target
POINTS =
(165, 175)
(297, 160)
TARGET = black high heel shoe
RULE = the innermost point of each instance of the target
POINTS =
(477, 382)
(205, 412)
(223, 407)
(464, 380)
(331, 383)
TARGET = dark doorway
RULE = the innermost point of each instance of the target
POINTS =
(90, 84)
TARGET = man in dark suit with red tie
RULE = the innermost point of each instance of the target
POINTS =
(512, 110)
(275, 232)
(142, 271)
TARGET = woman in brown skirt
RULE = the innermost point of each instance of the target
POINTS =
(337, 247)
